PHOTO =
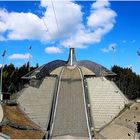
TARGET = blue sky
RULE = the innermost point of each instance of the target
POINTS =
(91, 27)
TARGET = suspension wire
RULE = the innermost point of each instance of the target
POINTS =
(47, 29)
(46, 26)
(55, 16)
(57, 25)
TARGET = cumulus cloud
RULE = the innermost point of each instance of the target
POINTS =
(101, 15)
(101, 4)
(52, 50)
(20, 26)
(71, 30)
(100, 22)
(20, 56)
(111, 47)
(69, 18)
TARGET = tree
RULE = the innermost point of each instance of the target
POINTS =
(12, 77)
(127, 81)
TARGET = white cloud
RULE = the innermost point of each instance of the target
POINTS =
(81, 39)
(100, 4)
(72, 31)
(69, 18)
(52, 50)
(20, 26)
(100, 22)
(20, 56)
(102, 18)
(110, 48)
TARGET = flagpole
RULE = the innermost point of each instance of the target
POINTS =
(1, 95)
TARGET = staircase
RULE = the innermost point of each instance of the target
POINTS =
(36, 102)
(105, 99)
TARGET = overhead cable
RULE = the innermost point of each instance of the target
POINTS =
(55, 16)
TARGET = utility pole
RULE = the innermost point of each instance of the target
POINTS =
(1, 94)
(30, 57)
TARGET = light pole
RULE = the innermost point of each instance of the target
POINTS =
(113, 55)
(138, 53)
(3, 54)
(30, 57)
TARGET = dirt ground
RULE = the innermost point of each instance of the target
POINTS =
(14, 115)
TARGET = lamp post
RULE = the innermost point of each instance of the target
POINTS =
(138, 53)
(3, 54)
(30, 57)
(113, 55)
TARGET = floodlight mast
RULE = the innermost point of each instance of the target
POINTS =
(113, 57)
(138, 53)
(30, 47)
(1, 94)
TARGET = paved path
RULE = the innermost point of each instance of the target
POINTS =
(70, 117)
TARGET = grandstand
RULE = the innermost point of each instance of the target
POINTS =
(72, 99)
(36, 102)
(105, 99)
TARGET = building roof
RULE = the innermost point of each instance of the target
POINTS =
(98, 69)
(46, 69)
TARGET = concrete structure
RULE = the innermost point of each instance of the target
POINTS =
(1, 113)
(105, 99)
(70, 112)
(72, 58)
(116, 131)
(36, 102)
(71, 99)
